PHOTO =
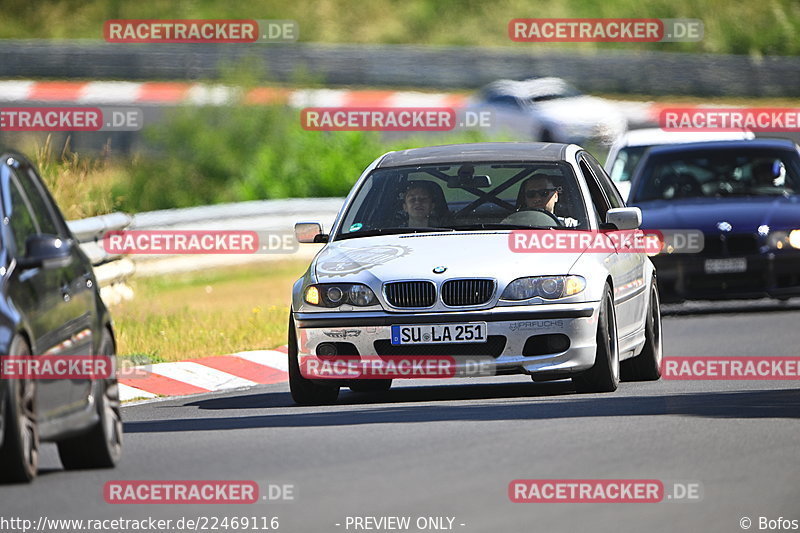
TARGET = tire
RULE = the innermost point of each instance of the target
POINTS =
(371, 385)
(604, 375)
(19, 454)
(304, 391)
(647, 365)
(101, 446)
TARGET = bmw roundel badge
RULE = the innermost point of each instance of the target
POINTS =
(439, 269)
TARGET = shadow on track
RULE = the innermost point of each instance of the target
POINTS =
(730, 307)
(783, 403)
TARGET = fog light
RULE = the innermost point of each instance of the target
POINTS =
(326, 348)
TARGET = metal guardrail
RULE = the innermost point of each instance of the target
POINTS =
(618, 71)
(111, 270)
(270, 216)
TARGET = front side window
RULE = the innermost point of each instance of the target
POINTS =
(39, 205)
(21, 220)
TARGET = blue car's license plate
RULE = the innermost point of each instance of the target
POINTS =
(439, 333)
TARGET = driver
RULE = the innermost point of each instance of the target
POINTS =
(539, 192)
(424, 204)
(764, 174)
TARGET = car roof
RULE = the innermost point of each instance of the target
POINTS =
(723, 145)
(476, 153)
(530, 88)
(653, 136)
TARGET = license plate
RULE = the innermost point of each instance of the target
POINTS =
(726, 266)
(439, 333)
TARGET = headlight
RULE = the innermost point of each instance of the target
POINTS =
(547, 287)
(336, 294)
(794, 238)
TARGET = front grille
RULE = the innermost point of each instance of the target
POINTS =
(492, 347)
(461, 292)
(410, 293)
(744, 282)
(736, 244)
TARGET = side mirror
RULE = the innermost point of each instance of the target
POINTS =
(46, 251)
(624, 218)
(309, 232)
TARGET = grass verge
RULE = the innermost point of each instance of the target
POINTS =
(207, 313)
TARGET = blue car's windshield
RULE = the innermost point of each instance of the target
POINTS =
(718, 172)
(466, 197)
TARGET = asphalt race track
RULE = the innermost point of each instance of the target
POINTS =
(433, 450)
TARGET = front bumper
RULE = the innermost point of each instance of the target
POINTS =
(509, 349)
(768, 275)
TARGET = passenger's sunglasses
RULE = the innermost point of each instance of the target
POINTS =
(541, 193)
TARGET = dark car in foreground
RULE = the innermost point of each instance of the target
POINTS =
(50, 307)
(745, 198)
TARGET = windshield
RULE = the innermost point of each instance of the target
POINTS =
(720, 172)
(626, 161)
(466, 197)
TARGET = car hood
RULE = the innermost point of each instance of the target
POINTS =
(463, 254)
(744, 214)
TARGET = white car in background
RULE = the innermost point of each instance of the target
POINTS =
(629, 148)
(548, 110)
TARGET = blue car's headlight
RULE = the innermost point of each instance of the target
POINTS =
(336, 294)
(781, 240)
(546, 287)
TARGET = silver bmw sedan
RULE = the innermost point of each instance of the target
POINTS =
(475, 260)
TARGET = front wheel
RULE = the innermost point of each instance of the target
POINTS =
(304, 391)
(101, 446)
(604, 375)
(19, 454)
(647, 365)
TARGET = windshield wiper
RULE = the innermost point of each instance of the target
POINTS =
(389, 231)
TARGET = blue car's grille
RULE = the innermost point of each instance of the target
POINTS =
(411, 293)
(734, 244)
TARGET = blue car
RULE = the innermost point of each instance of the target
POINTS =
(745, 198)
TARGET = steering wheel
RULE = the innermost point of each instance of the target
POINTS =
(533, 217)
